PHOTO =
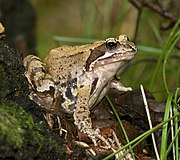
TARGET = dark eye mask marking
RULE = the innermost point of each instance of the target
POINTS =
(97, 52)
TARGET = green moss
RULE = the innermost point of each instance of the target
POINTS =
(10, 130)
(22, 138)
(15, 127)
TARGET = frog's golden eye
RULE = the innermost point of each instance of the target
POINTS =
(111, 44)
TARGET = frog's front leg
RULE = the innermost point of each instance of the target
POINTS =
(82, 117)
(117, 85)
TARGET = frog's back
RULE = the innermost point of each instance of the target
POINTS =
(66, 60)
(67, 51)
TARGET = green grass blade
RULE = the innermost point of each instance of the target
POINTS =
(176, 121)
(142, 136)
(149, 49)
(165, 48)
(165, 128)
(73, 39)
(175, 39)
(120, 123)
(172, 142)
(156, 31)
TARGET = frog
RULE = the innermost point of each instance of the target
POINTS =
(74, 79)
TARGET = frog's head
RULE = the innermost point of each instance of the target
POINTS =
(112, 51)
(104, 62)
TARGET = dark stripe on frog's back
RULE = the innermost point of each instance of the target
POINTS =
(95, 53)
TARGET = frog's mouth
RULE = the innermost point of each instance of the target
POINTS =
(115, 57)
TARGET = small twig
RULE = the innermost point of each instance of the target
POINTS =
(137, 20)
(159, 2)
(135, 4)
(158, 10)
(137, 25)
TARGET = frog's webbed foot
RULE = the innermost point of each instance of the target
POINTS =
(95, 135)
(110, 143)
(100, 139)
(117, 85)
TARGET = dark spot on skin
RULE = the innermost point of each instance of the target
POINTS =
(69, 85)
(72, 106)
(74, 83)
(61, 98)
(88, 120)
(62, 84)
(81, 125)
(81, 107)
(69, 94)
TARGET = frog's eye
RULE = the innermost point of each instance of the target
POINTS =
(111, 44)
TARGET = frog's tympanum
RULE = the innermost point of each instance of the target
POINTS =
(76, 78)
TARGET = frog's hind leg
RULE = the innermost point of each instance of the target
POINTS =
(41, 84)
(84, 123)
(82, 117)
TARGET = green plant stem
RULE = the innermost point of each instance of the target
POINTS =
(172, 142)
(165, 128)
(176, 120)
(165, 48)
(120, 123)
(175, 39)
